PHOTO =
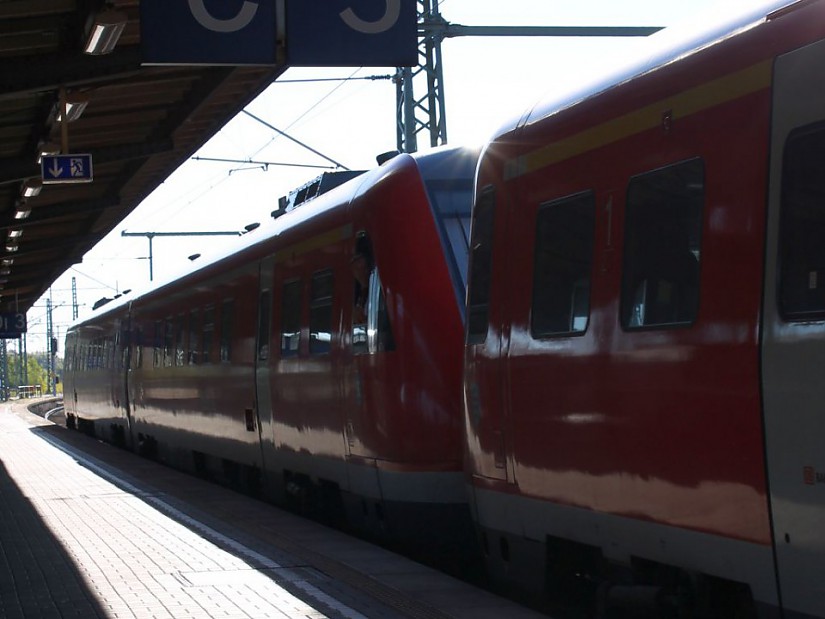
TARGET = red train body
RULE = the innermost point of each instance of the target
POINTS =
(641, 404)
(644, 336)
(291, 367)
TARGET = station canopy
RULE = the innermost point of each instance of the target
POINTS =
(137, 123)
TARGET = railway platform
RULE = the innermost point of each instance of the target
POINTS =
(88, 530)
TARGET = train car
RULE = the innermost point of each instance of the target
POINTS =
(646, 330)
(319, 363)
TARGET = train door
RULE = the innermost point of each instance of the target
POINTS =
(366, 377)
(487, 344)
(263, 338)
(114, 361)
(793, 354)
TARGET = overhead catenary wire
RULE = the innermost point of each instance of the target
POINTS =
(318, 103)
(264, 164)
(97, 281)
(373, 78)
(293, 123)
(298, 142)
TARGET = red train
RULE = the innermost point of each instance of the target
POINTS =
(643, 420)
(645, 404)
(319, 364)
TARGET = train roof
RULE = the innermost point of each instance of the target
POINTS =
(661, 49)
(433, 163)
(447, 162)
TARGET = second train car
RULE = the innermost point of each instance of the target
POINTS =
(645, 407)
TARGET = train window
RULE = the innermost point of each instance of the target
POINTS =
(802, 226)
(481, 263)
(363, 265)
(452, 202)
(157, 343)
(663, 228)
(371, 331)
(168, 343)
(123, 343)
(226, 330)
(264, 318)
(137, 343)
(562, 266)
(180, 349)
(291, 318)
(208, 328)
(320, 313)
(194, 337)
(379, 330)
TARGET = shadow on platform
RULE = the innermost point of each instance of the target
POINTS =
(37, 577)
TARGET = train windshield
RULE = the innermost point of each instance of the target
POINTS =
(449, 182)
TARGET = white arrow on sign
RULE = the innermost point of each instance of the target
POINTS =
(56, 170)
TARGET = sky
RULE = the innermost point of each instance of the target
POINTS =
(487, 81)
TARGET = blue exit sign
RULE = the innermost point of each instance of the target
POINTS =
(56, 169)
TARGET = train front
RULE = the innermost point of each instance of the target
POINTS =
(404, 405)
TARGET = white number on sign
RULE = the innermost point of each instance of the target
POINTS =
(389, 19)
(224, 26)
(13, 322)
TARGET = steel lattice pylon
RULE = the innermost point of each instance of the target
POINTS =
(429, 112)
(426, 113)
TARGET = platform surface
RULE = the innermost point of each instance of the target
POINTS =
(89, 530)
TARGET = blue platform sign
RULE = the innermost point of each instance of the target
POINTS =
(12, 325)
(208, 32)
(376, 33)
(61, 169)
